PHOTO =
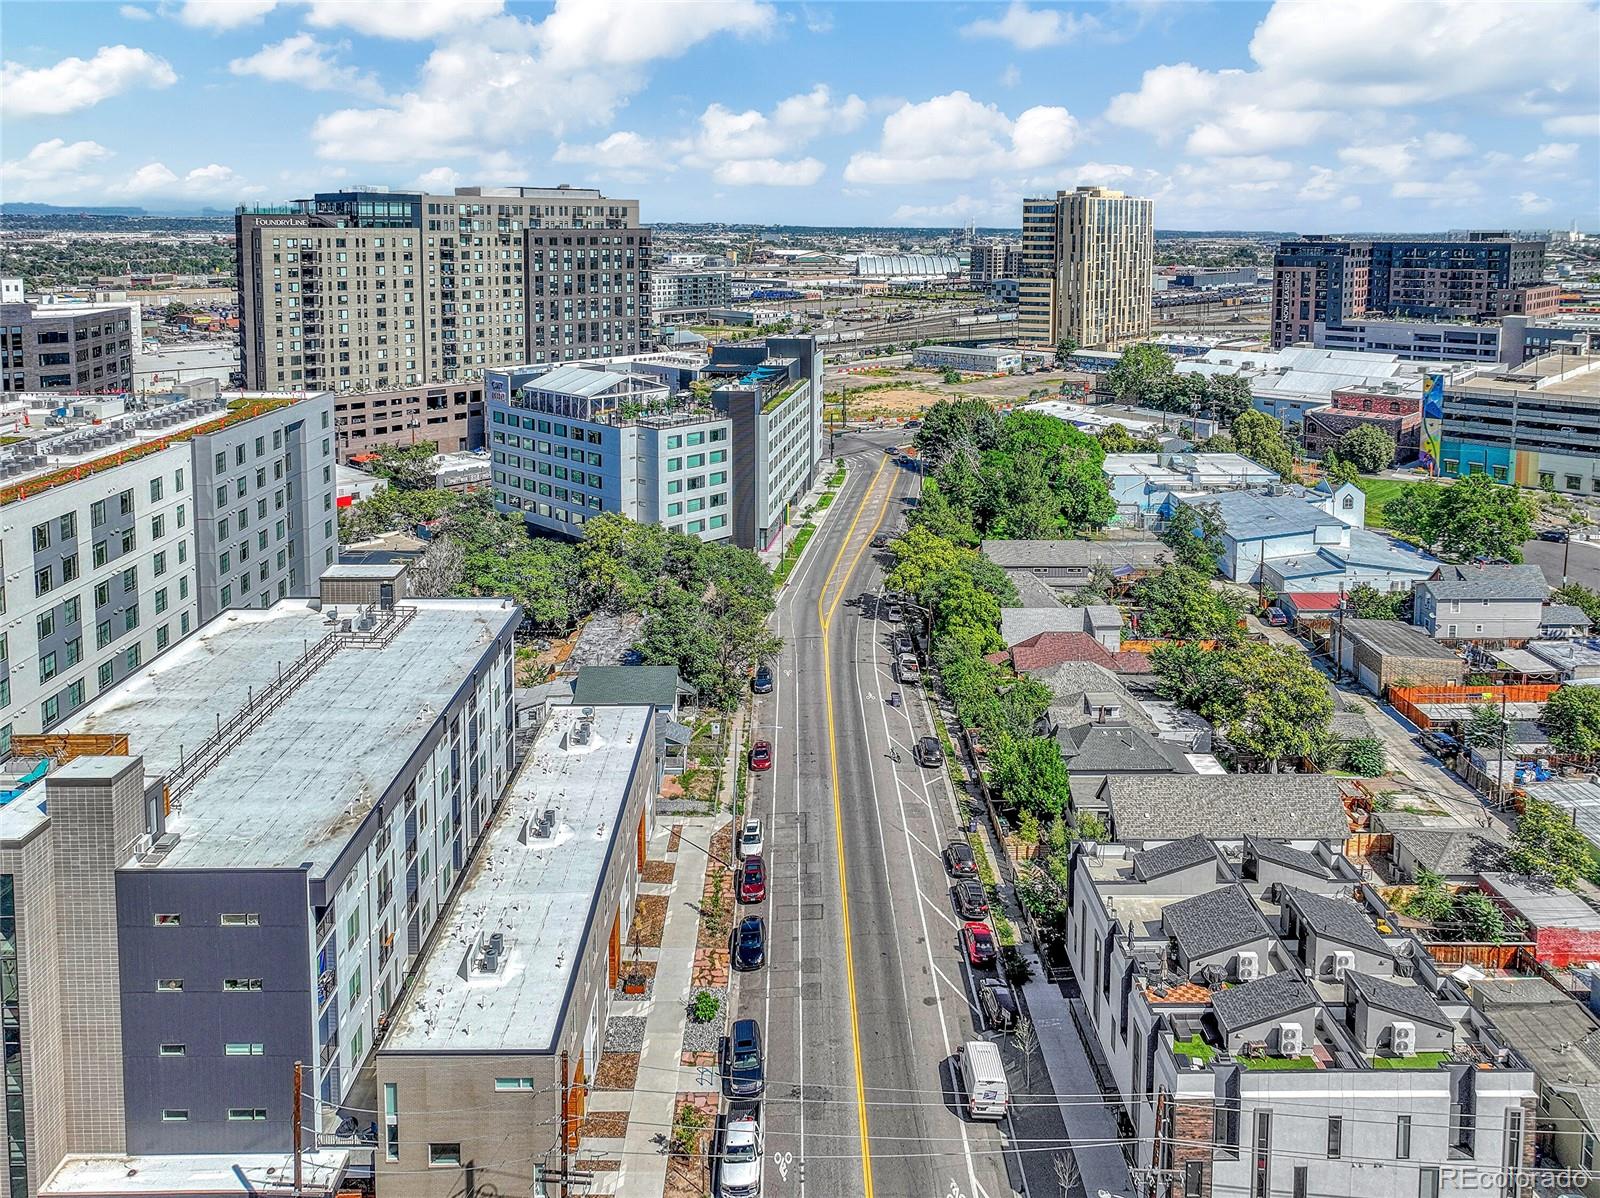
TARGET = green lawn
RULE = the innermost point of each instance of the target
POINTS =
(1423, 1060)
(1379, 491)
(1278, 1062)
(1195, 1049)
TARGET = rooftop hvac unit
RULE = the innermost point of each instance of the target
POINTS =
(1248, 966)
(1404, 1039)
(1291, 1040)
(1343, 962)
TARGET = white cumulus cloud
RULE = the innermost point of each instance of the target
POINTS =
(1582, 125)
(1532, 203)
(957, 137)
(1032, 28)
(53, 168)
(76, 83)
(768, 172)
(305, 62)
(224, 14)
(414, 20)
(157, 180)
(1551, 154)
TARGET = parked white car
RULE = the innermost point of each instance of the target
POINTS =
(751, 841)
(740, 1176)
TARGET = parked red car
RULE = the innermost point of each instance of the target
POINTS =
(753, 880)
(761, 756)
(978, 940)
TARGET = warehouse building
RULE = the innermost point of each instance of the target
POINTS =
(974, 359)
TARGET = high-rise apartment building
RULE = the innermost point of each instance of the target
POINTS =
(121, 538)
(679, 293)
(991, 260)
(85, 348)
(361, 290)
(1330, 280)
(1088, 257)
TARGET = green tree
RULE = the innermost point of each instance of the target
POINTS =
(1044, 479)
(1261, 439)
(1480, 918)
(1368, 448)
(1546, 843)
(1065, 348)
(1030, 774)
(1486, 727)
(1431, 900)
(1114, 438)
(1473, 517)
(1366, 602)
(1178, 602)
(1572, 717)
(407, 467)
(1364, 755)
(954, 426)
(1228, 397)
(1194, 534)
(1581, 597)
(1141, 375)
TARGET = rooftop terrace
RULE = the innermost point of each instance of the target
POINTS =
(536, 892)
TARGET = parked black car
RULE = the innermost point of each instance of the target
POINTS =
(929, 752)
(750, 943)
(958, 858)
(1558, 535)
(969, 898)
(998, 1003)
(761, 684)
(744, 1074)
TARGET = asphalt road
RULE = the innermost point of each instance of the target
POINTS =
(1583, 562)
(865, 996)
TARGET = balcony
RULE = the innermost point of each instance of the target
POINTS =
(327, 985)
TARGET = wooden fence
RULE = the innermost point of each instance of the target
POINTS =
(1409, 700)
(1479, 955)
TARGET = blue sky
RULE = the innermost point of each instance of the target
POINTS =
(1330, 115)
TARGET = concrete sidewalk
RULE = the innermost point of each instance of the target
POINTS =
(1091, 1126)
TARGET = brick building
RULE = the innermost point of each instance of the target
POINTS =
(1393, 410)
(449, 414)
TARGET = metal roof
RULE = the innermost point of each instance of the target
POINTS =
(1395, 638)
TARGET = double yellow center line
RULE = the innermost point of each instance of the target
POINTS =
(825, 618)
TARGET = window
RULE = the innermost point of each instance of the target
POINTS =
(355, 986)
(352, 929)
(170, 985)
(174, 1115)
(47, 667)
(391, 1121)
(237, 985)
(252, 1114)
(41, 537)
(1262, 1162)
(174, 1050)
(1300, 1181)
(1588, 1153)
(1428, 1183)
(97, 513)
(1335, 1137)
(46, 625)
(246, 919)
(125, 502)
(105, 674)
(513, 1083)
(42, 581)
(163, 637)
(442, 1156)
(244, 1050)
(1348, 502)
(167, 919)
(155, 490)
(1402, 1138)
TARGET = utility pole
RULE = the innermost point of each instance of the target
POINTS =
(565, 1115)
(299, 1073)
(1338, 649)
(1566, 551)
(1500, 772)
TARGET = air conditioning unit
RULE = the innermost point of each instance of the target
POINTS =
(1248, 967)
(1291, 1040)
(1404, 1039)
(1343, 962)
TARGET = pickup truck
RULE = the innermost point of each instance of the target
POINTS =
(907, 669)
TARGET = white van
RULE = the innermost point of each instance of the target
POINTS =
(983, 1078)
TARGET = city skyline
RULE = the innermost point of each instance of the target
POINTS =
(1405, 118)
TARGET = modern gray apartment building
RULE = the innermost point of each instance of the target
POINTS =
(681, 293)
(119, 539)
(1331, 280)
(84, 348)
(364, 290)
(633, 435)
(991, 260)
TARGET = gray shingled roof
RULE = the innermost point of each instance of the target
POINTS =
(1340, 920)
(1209, 923)
(1451, 850)
(1563, 615)
(1412, 1001)
(1488, 582)
(1022, 555)
(1225, 806)
(1173, 856)
(1286, 855)
(1262, 1001)
(1110, 748)
(600, 686)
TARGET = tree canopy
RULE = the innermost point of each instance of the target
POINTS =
(1194, 534)
(1261, 439)
(1547, 844)
(1365, 602)
(1368, 448)
(1572, 718)
(1178, 602)
(1472, 517)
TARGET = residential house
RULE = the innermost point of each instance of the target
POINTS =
(1295, 807)
(1044, 650)
(1562, 622)
(1458, 855)
(1267, 1038)
(1281, 522)
(1561, 1040)
(1070, 564)
(658, 687)
(1100, 621)
(1482, 603)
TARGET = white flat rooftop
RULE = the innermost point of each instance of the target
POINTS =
(302, 779)
(251, 1173)
(537, 892)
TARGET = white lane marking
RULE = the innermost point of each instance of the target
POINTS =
(927, 941)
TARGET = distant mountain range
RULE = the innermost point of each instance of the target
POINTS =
(21, 209)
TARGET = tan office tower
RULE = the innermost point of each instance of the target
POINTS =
(363, 290)
(1088, 257)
